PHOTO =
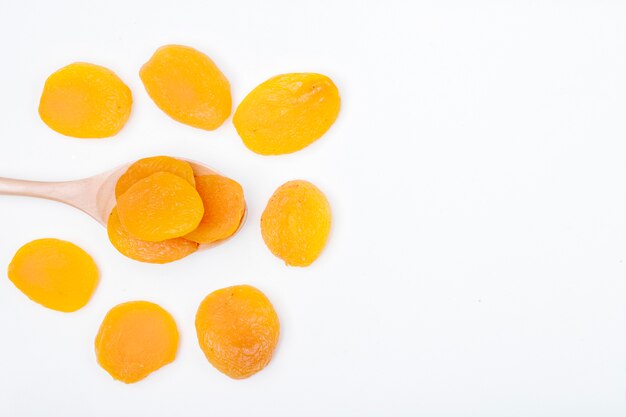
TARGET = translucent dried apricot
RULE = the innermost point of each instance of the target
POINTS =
(135, 339)
(85, 101)
(237, 330)
(223, 208)
(140, 250)
(54, 273)
(287, 113)
(159, 207)
(187, 86)
(148, 166)
(296, 223)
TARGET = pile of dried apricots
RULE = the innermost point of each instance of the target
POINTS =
(165, 209)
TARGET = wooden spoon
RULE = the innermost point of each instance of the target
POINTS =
(94, 195)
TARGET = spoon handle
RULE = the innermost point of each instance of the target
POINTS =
(74, 193)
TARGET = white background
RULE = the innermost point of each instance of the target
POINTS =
(477, 175)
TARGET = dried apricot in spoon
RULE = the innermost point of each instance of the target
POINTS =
(161, 206)
(147, 166)
(85, 101)
(94, 196)
(287, 113)
(54, 273)
(238, 330)
(188, 86)
(135, 339)
(140, 250)
(224, 207)
(296, 223)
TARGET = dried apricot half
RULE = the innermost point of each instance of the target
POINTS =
(237, 330)
(188, 86)
(159, 207)
(287, 113)
(135, 339)
(224, 207)
(296, 223)
(140, 250)
(148, 166)
(85, 101)
(54, 273)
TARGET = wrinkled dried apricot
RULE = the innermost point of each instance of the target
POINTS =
(296, 223)
(237, 329)
(287, 113)
(188, 86)
(85, 101)
(148, 166)
(223, 208)
(159, 207)
(140, 250)
(54, 273)
(135, 339)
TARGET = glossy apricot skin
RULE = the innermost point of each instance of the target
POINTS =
(188, 86)
(84, 100)
(147, 166)
(54, 273)
(296, 222)
(237, 329)
(224, 207)
(135, 339)
(287, 113)
(140, 250)
(159, 207)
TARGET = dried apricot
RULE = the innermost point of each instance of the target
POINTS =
(188, 86)
(140, 250)
(287, 113)
(296, 223)
(54, 273)
(135, 339)
(148, 166)
(237, 330)
(223, 208)
(159, 207)
(85, 101)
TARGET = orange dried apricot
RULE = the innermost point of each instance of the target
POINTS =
(159, 207)
(148, 166)
(238, 330)
(85, 101)
(188, 86)
(140, 250)
(135, 339)
(223, 208)
(54, 273)
(296, 223)
(287, 113)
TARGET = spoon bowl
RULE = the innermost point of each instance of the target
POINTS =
(93, 195)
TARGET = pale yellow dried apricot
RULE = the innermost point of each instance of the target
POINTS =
(296, 223)
(238, 330)
(140, 250)
(188, 86)
(54, 273)
(85, 101)
(159, 207)
(135, 339)
(148, 166)
(287, 113)
(224, 207)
